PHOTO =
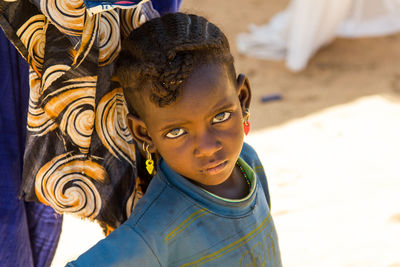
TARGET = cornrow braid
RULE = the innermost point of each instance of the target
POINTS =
(163, 52)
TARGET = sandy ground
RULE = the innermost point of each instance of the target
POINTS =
(330, 146)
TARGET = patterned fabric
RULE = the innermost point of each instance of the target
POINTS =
(79, 156)
(29, 232)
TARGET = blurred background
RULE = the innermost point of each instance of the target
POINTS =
(328, 136)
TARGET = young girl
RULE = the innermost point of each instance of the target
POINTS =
(208, 203)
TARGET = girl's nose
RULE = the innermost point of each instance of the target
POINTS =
(206, 145)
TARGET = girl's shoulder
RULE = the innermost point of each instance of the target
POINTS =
(249, 155)
(160, 205)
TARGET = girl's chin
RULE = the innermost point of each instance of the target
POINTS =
(215, 180)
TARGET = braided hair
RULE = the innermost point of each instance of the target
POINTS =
(162, 53)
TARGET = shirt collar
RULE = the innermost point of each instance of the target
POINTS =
(216, 204)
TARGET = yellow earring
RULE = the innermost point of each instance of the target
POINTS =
(149, 161)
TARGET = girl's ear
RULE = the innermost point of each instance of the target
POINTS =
(243, 91)
(139, 132)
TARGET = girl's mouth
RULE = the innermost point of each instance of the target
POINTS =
(216, 168)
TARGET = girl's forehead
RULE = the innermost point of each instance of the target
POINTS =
(207, 89)
(207, 83)
(212, 75)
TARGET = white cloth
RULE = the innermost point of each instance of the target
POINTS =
(296, 33)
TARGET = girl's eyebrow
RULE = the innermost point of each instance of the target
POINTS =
(222, 106)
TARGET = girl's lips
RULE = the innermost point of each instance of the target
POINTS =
(216, 169)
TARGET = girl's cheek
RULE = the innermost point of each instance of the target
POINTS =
(234, 132)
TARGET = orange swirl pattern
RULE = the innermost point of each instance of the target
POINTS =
(112, 127)
(126, 22)
(109, 37)
(133, 18)
(89, 36)
(51, 74)
(67, 16)
(136, 195)
(130, 203)
(38, 121)
(76, 101)
(64, 109)
(32, 35)
(66, 184)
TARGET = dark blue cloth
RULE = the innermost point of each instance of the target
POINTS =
(166, 6)
(29, 232)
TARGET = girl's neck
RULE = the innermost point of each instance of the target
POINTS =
(235, 187)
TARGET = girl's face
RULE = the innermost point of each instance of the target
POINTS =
(200, 135)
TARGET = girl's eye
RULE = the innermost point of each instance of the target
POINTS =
(221, 117)
(174, 133)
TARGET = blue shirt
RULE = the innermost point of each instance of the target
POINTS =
(177, 223)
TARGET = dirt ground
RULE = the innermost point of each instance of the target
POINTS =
(339, 73)
(330, 146)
